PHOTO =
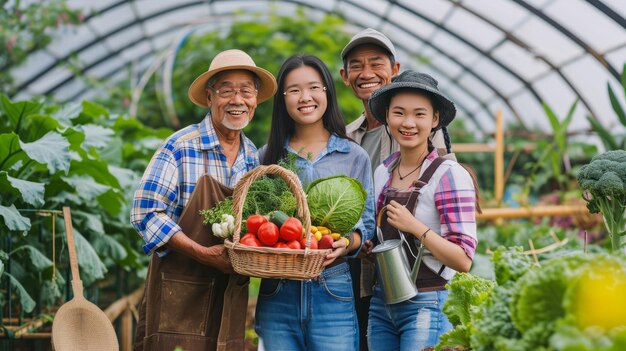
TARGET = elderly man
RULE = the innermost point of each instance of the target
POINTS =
(192, 298)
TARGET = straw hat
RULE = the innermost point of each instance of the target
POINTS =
(407, 81)
(231, 60)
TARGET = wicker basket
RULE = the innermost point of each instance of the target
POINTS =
(269, 262)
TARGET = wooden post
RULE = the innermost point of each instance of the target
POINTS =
(535, 211)
(127, 329)
(499, 159)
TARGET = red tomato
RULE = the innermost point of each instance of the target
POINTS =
(280, 245)
(268, 233)
(250, 240)
(313, 243)
(294, 245)
(291, 229)
(254, 222)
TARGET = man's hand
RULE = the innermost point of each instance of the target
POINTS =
(217, 256)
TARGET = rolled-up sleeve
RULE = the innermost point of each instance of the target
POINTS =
(367, 224)
(156, 193)
(455, 198)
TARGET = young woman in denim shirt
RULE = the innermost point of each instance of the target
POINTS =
(315, 314)
(438, 213)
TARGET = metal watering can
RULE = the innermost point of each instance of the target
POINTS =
(394, 274)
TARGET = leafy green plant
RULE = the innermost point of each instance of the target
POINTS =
(611, 139)
(75, 155)
(539, 307)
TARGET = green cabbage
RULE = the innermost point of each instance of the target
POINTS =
(336, 202)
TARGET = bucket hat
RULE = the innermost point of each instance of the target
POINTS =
(369, 36)
(411, 80)
(231, 60)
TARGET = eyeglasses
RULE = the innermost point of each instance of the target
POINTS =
(316, 89)
(227, 92)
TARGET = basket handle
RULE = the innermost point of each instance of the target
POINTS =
(241, 190)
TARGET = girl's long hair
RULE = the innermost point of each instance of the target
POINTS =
(283, 126)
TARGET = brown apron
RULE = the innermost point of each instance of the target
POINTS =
(427, 280)
(189, 304)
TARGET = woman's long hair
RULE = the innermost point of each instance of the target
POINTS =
(283, 126)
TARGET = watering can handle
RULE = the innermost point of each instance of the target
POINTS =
(77, 284)
(379, 221)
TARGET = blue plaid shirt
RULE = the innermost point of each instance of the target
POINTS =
(171, 177)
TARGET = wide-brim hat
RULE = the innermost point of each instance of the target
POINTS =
(232, 60)
(411, 80)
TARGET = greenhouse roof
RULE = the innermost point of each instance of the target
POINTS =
(508, 55)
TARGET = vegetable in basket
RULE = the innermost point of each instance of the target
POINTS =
(266, 194)
(336, 202)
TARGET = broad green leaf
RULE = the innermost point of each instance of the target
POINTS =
(68, 112)
(34, 257)
(36, 126)
(112, 153)
(51, 150)
(86, 187)
(10, 152)
(1, 268)
(75, 137)
(127, 178)
(27, 302)
(50, 293)
(607, 138)
(90, 221)
(31, 192)
(96, 136)
(91, 266)
(107, 246)
(97, 169)
(112, 201)
(617, 106)
(15, 112)
(93, 110)
(13, 219)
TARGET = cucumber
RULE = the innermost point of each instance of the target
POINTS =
(277, 217)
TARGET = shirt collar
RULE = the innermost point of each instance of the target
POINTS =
(335, 143)
(209, 140)
(208, 136)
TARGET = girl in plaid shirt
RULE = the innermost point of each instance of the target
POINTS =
(443, 218)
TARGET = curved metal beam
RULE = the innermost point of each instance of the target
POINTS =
(473, 46)
(103, 37)
(121, 28)
(519, 42)
(608, 12)
(463, 66)
(599, 57)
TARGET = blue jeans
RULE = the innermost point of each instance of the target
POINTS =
(315, 314)
(409, 325)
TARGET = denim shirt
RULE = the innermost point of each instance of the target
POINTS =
(341, 156)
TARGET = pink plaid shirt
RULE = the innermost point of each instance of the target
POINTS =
(450, 191)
